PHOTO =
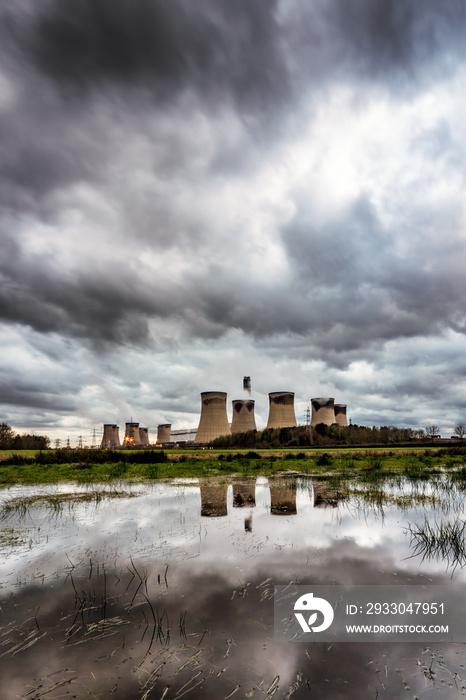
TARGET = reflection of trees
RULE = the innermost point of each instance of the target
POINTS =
(282, 497)
(244, 492)
(214, 500)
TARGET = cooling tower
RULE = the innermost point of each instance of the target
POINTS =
(282, 498)
(323, 411)
(243, 416)
(132, 434)
(214, 500)
(244, 492)
(164, 432)
(144, 436)
(340, 414)
(213, 422)
(281, 410)
(111, 437)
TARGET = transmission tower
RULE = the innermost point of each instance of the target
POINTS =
(80, 442)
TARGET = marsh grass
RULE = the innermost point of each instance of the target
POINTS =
(20, 505)
(442, 541)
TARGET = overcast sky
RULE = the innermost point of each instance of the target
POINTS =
(191, 192)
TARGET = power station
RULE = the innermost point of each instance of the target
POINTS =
(213, 421)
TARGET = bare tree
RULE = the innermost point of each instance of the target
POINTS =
(460, 431)
(431, 431)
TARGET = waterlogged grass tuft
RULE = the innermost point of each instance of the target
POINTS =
(443, 541)
(20, 505)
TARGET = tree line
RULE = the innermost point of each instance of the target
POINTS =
(321, 434)
(11, 441)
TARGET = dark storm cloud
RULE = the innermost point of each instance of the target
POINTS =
(386, 42)
(25, 393)
(134, 132)
(163, 47)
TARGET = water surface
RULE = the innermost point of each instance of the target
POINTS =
(165, 590)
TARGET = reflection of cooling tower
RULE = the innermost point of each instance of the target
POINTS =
(244, 492)
(164, 432)
(282, 497)
(214, 500)
(323, 411)
(243, 416)
(281, 410)
(144, 436)
(340, 414)
(111, 436)
(213, 422)
(132, 434)
(326, 496)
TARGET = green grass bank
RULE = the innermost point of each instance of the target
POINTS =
(89, 466)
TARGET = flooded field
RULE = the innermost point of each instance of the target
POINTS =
(165, 590)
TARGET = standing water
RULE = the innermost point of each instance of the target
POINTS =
(166, 590)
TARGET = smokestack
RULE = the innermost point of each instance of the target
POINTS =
(144, 436)
(213, 422)
(281, 410)
(132, 434)
(323, 411)
(242, 416)
(247, 384)
(111, 437)
(164, 432)
(340, 414)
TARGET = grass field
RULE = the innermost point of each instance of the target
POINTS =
(90, 466)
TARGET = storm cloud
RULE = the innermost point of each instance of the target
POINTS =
(190, 193)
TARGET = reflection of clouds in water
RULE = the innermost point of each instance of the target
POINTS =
(229, 631)
(164, 523)
(223, 576)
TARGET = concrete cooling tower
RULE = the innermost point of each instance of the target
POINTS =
(281, 410)
(243, 416)
(213, 422)
(111, 437)
(323, 411)
(340, 414)
(144, 436)
(132, 434)
(164, 432)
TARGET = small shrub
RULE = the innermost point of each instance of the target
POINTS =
(324, 460)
